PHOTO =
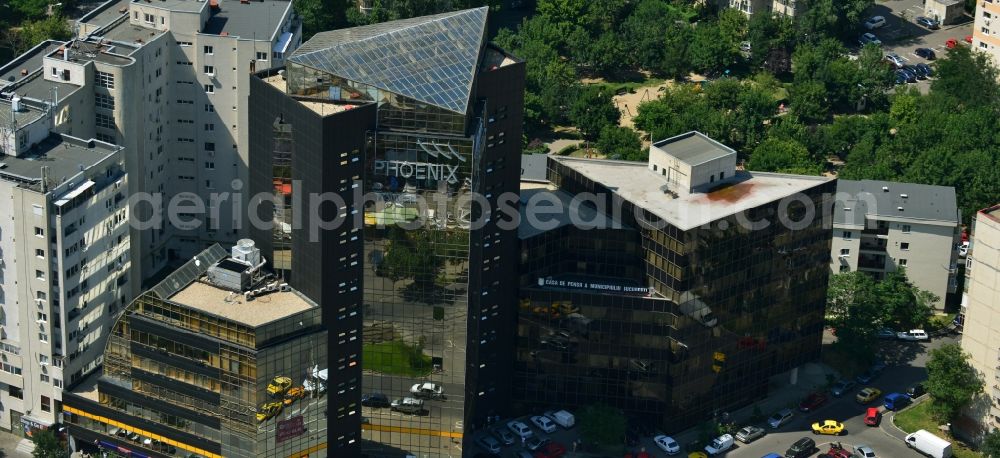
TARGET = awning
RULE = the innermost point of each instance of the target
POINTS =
(74, 193)
(283, 42)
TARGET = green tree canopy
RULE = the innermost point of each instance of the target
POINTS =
(991, 445)
(785, 156)
(621, 143)
(593, 110)
(47, 445)
(951, 381)
(808, 102)
(967, 77)
(854, 310)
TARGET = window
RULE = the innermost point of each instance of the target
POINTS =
(210, 89)
(845, 251)
(46, 404)
(902, 263)
(210, 165)
(845, 268)
(209, 50)
(261, 55)
(105, 121)
(105, 138)
(40, 253)
(39, 232)
(42, 337)
(135, 15)
(147, 17)
(904, 246)
(184, 43)
(43, 378)
(43, 317)
(210, 108)
(209, 127)
(105, 79)
(39, 275)
(209, 146)
(906, 228)
(55, 71)
(40, 295)
(104, 101)
(209, 185)
(847, 234)
(209, 70)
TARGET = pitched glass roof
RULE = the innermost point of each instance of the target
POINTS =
(431, 59)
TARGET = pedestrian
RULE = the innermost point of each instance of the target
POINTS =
(522, 441)
(576, 443)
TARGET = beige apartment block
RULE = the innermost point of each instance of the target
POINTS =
(986, 31)
(981, 332)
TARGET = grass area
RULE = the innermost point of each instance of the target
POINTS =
(941, 321)
(629, 86)
(919, 417)
(396, 358)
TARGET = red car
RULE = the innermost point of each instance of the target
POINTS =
(873, 417)
(812, 402)
(951, 43)
(968, 38)
(836, 451)
(551, 450)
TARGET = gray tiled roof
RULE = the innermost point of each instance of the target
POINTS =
(431, 59)
(694, 148)
(868, 197)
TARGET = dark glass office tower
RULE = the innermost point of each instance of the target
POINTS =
(441, 145)
(676, 307)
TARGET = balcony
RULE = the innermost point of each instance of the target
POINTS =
(871, 262)
(877, 245)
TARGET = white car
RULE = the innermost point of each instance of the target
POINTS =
(719, 445)
(896, 61)
(913, 334)
(544, 423)
(780, 418)
(875, 22)
(427, 390)
(869, 38)
(667, 444)
(963, 250)
(864, 451)
(520, 429)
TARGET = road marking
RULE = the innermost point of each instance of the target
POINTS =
(458, 424)
(406, 430)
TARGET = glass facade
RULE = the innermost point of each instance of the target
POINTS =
(726, 309)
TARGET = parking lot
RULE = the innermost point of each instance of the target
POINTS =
(901, 35)
(561, 435)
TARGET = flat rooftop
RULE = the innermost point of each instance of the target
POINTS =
(63, 155)
(183, 6)
(319, 106)
(128, 33)
(634, 182)
(257, 20)
(87, 388)
(874, 198)
(83, 51)
(544, 207)
(106, 13)
(693, 148)
(37, 87)
(495, 57)
(30, 61)
(27, 114)
(263, 309)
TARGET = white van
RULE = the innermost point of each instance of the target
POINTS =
(562, 418)
(929, 444)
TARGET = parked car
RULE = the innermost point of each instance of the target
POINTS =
(562, 418)
(279, 385)
(930, 23)
(812, 402)
(916, 72)
(842, 387)
(772, 455)
(869, 38)
(408, 405)
(266, 411)
(836, 451)
(779, 418)
(864, 451)
(873, 416)
(874, 22)
(544, 423)
(894, 59)
(916, 391)
(428, 390)
(523, 454)
(900, 79)
(667, 444)
(535, 443)
(867, 395)
(913, 334)
(749, 434)
(294, 394)
(719, 445)
(801, 448)
(951, 43)
(503, 435)
(929, 444)
(895, 401)
(968, 39)
(866, 376)
(489, 444)
(963, 250)
(551, 450)
(377, 400)
(520, 429)
(926, 53)
(885, 333)
(829, 427)
(910, 76)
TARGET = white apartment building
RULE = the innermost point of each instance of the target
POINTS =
(882, 226)
(168, 80)
(981, 332)
(64, 259)
(785, 7)
(986, 30)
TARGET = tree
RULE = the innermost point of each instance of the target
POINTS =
(602, 425)
(50, 28)
(785, 156)
(854, 311)
(410, 255)
(808, 102)
(951, 381)
(621, 143)
(709, 50)
(593, 110)
(906, 306)
(967, 77)
(47, 445)
(29, 9)
(990, 447)
(768, 33)
(561, 13)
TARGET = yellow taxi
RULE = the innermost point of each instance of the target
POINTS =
(829, 427)
(867, 395)
(268, 410)
(293, 394)
(697, 455)
(279, 385)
